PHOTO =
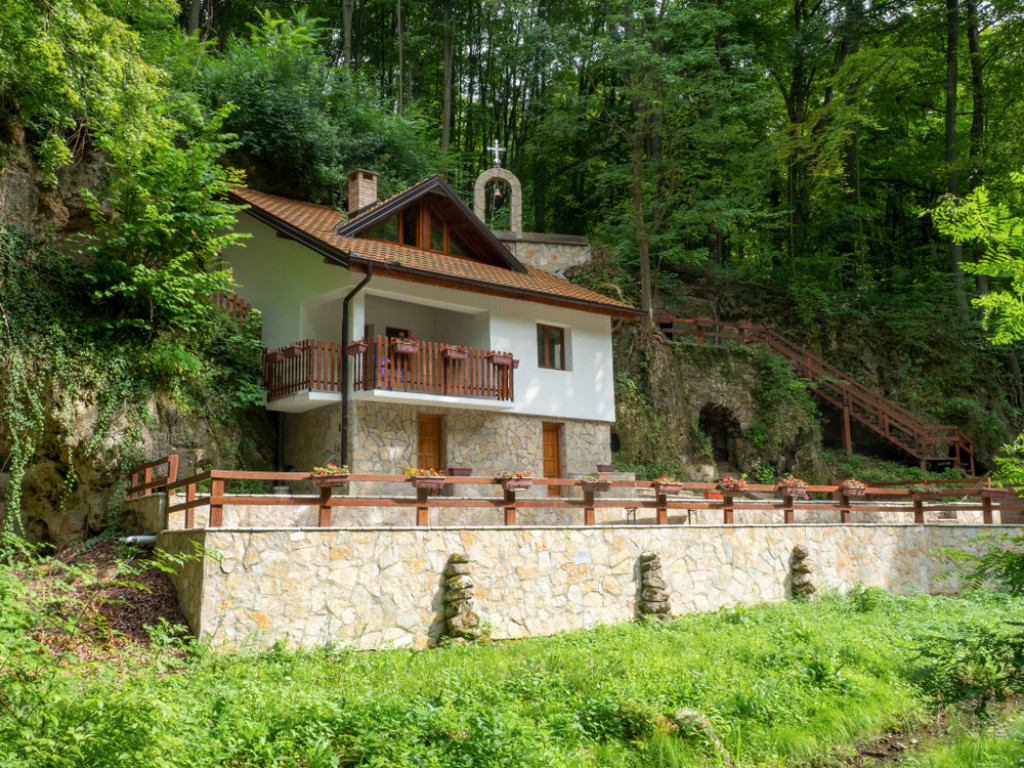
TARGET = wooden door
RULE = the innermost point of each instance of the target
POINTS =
(552, 441)
(429, 453)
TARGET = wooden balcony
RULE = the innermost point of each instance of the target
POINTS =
(433, 369)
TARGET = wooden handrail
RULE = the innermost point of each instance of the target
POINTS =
(896, 424)
(422, 503)
(142, 482)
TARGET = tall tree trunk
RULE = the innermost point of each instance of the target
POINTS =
(348, 8)
(193, 15)
(643, 241)
(952, 180)
(401, 57)
(977, 121)
(448, 53)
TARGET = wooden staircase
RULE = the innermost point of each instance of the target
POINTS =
(935, 443)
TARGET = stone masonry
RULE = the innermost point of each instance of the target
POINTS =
(654, 599)
(377, 587)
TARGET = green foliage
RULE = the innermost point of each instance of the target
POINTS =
(302, 123)
(785, 683)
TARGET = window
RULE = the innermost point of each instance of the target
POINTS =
(419, 226)
(551, 347)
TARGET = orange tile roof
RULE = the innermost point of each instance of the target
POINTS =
(317, 222)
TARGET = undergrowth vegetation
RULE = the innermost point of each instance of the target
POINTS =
(769, 685)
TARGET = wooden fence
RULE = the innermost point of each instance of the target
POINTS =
(832, 498)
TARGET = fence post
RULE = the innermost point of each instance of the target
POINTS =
(844, 507)
(661, 502)
(190, 513)
(918, 510)
(510, 507)
(787, 509)
(147, 478)
(588, 508)
(216, 503)
(172, 469)
(986, 510)
(727, 509)
(324, 520)
(422, 510)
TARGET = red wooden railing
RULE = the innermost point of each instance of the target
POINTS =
(913, 503)
(142, 482)
(234, 305)
(925, 442)
(315, 365)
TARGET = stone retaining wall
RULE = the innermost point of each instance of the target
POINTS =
(373, 587)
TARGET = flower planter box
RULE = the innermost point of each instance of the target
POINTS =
(792, 492)
(713, 495)
(664, 488)
(595, 486)
(357, 348)
(275, 357)
(500, 359)
(292, 351)
(516, 483)
(404, 347)
(460, 471)
(449, 353)
(329, 481)
(427, 482)
(853, 491)
(605, 467)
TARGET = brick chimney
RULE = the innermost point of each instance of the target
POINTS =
(362, 189)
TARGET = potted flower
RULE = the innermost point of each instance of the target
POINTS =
(990, 490)
(357, 347)
(667, 484)
(595, 483)
(404, 345)
(426, 478)
(500, 359)
(515, 481)
(730, 486)
(329, 475)
(791, 486)
(851, 486)
(454, 352)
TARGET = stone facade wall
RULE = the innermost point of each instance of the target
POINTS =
(369, 588)
(552, 253)
(383, 439)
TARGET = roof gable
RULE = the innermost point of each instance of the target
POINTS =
(484, 246)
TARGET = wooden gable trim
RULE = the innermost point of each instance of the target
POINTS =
(459, 217)
(358, 264)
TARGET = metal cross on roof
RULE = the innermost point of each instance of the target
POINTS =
(497, 150)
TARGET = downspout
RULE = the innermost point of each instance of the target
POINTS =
(343, 426)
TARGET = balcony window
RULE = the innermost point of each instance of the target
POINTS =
(551, 347)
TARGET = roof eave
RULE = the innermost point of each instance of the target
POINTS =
(462, 283)
(292, 231)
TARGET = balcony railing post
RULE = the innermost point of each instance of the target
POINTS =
(510, 507)
(661, 502)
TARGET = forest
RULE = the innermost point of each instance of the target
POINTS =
(843, 170)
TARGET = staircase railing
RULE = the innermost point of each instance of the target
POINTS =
(897, 425)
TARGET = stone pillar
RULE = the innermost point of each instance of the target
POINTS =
(653, 602)
(461, 621)
(801, 571)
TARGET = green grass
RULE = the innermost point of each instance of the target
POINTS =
(992, 748)
(780, 684)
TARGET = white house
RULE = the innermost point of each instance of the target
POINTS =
(428, 294)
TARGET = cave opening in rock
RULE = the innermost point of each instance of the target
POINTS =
(720, 427)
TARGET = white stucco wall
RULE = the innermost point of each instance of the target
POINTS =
(286, 281)
(584, 391)
(300, 297)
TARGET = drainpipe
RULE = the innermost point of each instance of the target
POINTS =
(343, 426)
